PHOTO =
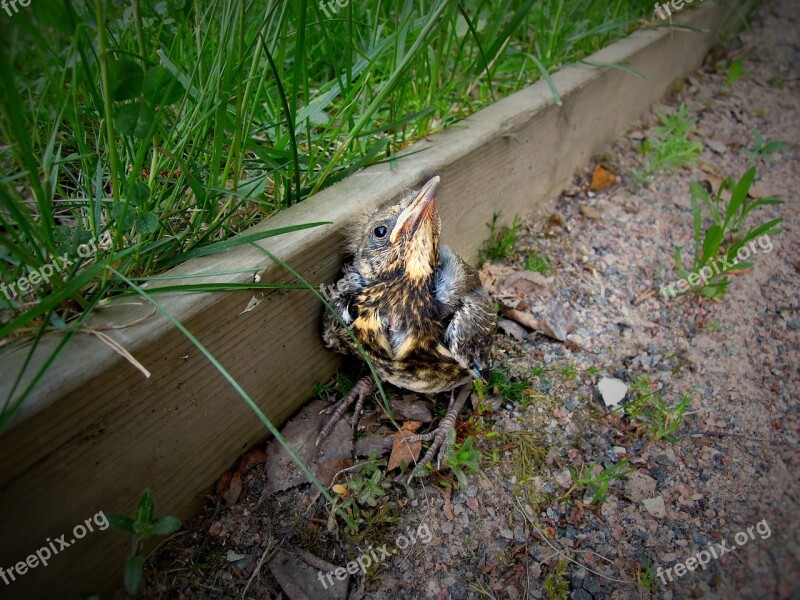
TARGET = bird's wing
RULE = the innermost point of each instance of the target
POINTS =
(471, 324)
(340, 297)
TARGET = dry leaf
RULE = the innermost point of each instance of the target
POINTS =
(403, 451)
(327, 470)
(526, 281)
(231, 495)
(254, 301)
(602, 178)
(229, 485)
(590, 212)
(448, 505)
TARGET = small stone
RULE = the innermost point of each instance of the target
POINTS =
(612, 390)
(590, 212)
(717, 147)
(640, 486)
(513, 329)
(472, 503)
(564, 479)
(655, 506)
(507, 533)
(447, 528)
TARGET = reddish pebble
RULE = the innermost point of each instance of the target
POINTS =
(472, 503)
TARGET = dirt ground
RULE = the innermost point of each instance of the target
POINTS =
(537, 520)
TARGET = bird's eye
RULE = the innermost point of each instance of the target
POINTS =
(380, 231)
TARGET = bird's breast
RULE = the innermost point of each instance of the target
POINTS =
(402, 330)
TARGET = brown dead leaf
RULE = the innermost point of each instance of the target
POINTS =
(590, 212)
(410, 408)
(326, 471)
(297, 572)
(229, 485)
(492, 274)
(404, 452)
(301, 432)
(447, 492)
(250, 459)
(231, 495)
(526, 281)
(557, 323)
(223, 483)
(602, 178)
(648, 293)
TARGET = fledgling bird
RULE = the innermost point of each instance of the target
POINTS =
(417, 309)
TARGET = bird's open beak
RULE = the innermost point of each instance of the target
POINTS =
(422, 207)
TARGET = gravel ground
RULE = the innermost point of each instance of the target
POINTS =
(522, 527)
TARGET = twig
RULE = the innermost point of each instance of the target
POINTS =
(561, 552)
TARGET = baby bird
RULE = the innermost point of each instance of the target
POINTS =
(417, 309)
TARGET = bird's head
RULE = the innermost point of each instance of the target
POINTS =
(401, 239)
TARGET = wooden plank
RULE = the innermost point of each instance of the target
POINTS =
(96, 433)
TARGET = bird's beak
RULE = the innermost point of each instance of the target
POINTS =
(422, 207)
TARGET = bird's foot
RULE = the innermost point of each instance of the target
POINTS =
(439, 436)
(359, 392)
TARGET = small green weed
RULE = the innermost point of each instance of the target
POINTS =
(501, 240)
(776, 82)
(646, 578)
(143, 526)
(708, 275)
(648, 407)
(597, 480)
(536, 262)
(762, 148)
(338, 387)
(461, 458)
(734, 72)
(670, 146)
(362, 492)
(513, 389)
(556, 584)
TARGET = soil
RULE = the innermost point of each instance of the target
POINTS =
(575, 499)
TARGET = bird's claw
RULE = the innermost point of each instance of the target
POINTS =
(438, 447)
(442, 436)
(359, 392)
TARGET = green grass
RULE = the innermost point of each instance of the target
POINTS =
(539, 263)
(649, 408)
(761, 148)
(717, 248)
(597, 481)
(670, 145)
(501, 240)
